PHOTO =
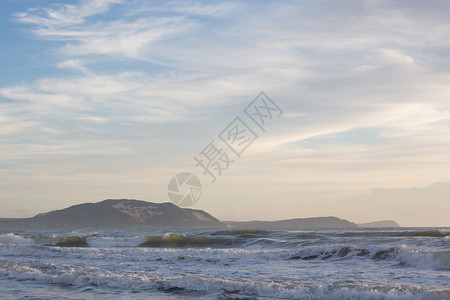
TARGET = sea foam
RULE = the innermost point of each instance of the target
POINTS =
(13, 239)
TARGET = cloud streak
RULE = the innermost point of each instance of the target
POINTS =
(64, 15)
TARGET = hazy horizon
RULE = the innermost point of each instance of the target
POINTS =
(445, 185)
(109, 99)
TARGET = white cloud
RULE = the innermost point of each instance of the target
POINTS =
(116, 37)
(198, 8)
(74, 64)
(10, 126)
(394, 56)
(97, 120)
(130, 39)
(62, 15)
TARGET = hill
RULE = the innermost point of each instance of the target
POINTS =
(121, 213)
(379, 224)
(318, 222)
(125, 213)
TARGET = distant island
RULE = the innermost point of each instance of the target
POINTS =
(318, 222)
(378, 224)
(121, 213)
(125, 213)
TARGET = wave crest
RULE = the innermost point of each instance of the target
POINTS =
(72, 241)
(172, 240)
(404, 255)
(13, 239)
(245, 232)
(429, 233)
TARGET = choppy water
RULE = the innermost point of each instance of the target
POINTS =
(398, 263)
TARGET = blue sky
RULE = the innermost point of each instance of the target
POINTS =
(110, 99)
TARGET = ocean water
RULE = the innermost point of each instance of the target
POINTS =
(396, 263)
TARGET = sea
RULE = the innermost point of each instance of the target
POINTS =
(387, 263)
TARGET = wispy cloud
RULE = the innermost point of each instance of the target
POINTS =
(63, 15)
(119, 72)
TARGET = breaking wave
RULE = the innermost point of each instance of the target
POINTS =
(404, 255)
(429, 233)
(234, 263)
(226, 288)
(72, 241)
(107, 242)
(13, 239)
(171, 240)
(241, 232)
(394, 233)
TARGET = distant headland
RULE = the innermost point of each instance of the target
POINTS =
(126, 213)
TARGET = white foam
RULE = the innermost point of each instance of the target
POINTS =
(13, 239)
(426, 259)
(404, 255)
(114, 262)
(95, 277)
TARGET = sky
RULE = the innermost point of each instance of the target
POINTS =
(109, 99)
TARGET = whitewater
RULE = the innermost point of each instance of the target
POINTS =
(393, 263)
